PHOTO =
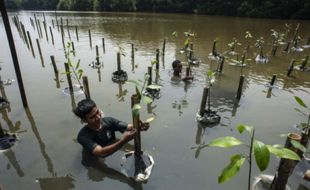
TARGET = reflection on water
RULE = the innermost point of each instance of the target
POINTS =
(59, 183)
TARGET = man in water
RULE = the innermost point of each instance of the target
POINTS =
(177, 70)
(98, 135)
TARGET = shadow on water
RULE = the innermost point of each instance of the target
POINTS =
(62, 183)
(98, 170)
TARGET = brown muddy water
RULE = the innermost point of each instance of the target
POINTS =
(47, 155)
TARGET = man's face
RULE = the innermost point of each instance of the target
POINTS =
(178, 68)
(94, 117)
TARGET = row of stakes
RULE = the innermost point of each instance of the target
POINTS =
(120, 75)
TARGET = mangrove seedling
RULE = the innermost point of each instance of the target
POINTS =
(304, 126)
(232, 46)
(248, 36)
(214, 55)
(260, 150)
(208, 116)
(260, 58)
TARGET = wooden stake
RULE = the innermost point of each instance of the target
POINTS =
(40, 28)
(68, 29)
(274, 50)
(46, 34)
(53, 24)
(30, 42)
(136, 119)
(25, 36)
(103, 45)
(97, 55)
(273, 80)
(68, 73)
(164, 47)
(40, 52)
(239, 92)
(291, 68)
(54, 65)
(118, 61)
(203, 101)
(304, 63)
(73, 48)
(157, 59)
(52, 36)
(286, 165)
(13, 52)
(132, 52)
(221, 64)
(86, 87)
(149, 71)
(287, 47)
(90, 41)
(191, 52)
(76, 33)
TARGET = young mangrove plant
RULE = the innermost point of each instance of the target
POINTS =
(75, 70)
(248, 36)
(232, 46)
(119, 75)
(208, 116)
(214, 55)
(260, 58)
(260, 150)
(303, 126)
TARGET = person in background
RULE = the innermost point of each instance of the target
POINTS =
(98, 135)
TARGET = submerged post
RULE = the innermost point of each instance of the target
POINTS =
(103, 45)
(239, 92)
(13, 52)
(40, 52)
(30, 42)
(135, 99)
(97, 55)
(86, 87)
(52, 36)
(149, 71)
(286, 165)
(76, 33)
(221, 64)
(203, 101)
(132, 52)
(291, 68)
(54, 64)
(68, 29)
(273, 79)
(68, 73)
(164, 47)
(157, 59)
(118, 61)
(90, 42)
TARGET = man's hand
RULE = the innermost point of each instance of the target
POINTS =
(144, 125)
(129, 135)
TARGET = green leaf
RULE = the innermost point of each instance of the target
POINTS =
(65, 73)
(135, 82)
(299, 146)
(241, 128)
(138, 93)
(283, 153)
(262, 155)
(149, 120)
(300, 102)
(225, 142)
(186, 42)
(135, 109)
(153, 62)
(154, 86)
(236, 161)
(147, 100)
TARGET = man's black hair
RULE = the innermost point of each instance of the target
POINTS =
(84, 107)
(175, 63)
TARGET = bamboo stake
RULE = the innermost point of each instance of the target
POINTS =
(39, 24)
(54, 65)
(291, 68)
(52, 36)
(103, 45)
(90, 41)
(221, 64)
(285, 166)
(132, 52)
(239, 92)
(273, 80)
(136, 119)
(157, 59)
(76, 33)
(68, 29)
(68, 73)
(97, 55)
(13, 52)
(30, 42)
(149, 70)
(304, 63)
(46, 34)
(86, 87)
(164, 47)
(25, 36)
(40, 52)
(203, 101)
(53, 24)
(118, 61)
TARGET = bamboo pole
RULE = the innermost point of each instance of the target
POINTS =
(25, 36)
(40, 28)
(164, 47)
(118, 61)
(304, 63)
(191, 51)
(97, 55)
(203, 101)
(221, 64)
(30, 43)
(76, 33)
(86, 87)
(239, 92)
(136, 119)
(291, 68)
(46, 34)
(103, 45)
(157, 59)
(53, 24)
(273, 79)
(13, 52)
(132, 52)
(68, 73)
(40, 52)
(54, 65)
(52, 36)
(149, 71)
(90, 41)
(286, 165)
(68, 29)
(73, 48)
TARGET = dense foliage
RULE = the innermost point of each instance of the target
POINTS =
(296, 9)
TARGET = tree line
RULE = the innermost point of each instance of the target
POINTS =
(283, 9)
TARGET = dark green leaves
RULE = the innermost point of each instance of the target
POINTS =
(300, 102)
(236, 161)
(283, 153)
(262, 155)
(241, 128)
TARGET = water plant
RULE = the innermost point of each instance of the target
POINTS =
(304, 126)
(232, 46)
(248, 36)
(260, 150)
(260, 58)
